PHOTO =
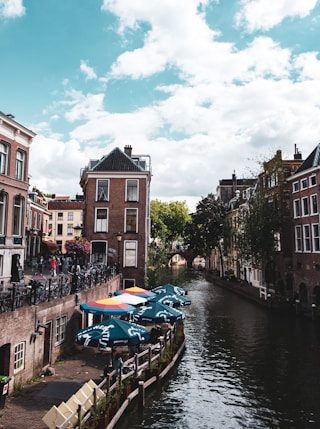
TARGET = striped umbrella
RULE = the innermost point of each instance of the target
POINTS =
(138, 291)
(107, 307)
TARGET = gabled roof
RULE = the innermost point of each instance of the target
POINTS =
(312, 161)
(116, 161)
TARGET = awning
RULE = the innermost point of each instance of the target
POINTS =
(50, 246)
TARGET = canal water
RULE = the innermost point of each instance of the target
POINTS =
(243, 368)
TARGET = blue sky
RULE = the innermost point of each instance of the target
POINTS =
(207, 88)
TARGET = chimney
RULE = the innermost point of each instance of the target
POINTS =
(128, 150)
(297, 154)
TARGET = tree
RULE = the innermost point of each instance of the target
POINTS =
(206, 229)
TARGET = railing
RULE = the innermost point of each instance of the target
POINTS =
(41, 288)
(83, 406)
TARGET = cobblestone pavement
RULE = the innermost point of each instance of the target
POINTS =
(25, 409)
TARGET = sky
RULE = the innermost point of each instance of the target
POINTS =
(206, 88)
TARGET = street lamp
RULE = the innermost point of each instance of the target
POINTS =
(77, 233)
(119, 239)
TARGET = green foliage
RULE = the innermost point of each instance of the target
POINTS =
(260, 223)
(206, 228)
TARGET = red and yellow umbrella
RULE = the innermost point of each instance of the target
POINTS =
(107, 307)
(138, 291)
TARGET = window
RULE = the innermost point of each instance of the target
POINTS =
(101, 223)
(59, 229)
(298, 239)
(35, 218)
(295, 187)
(3, 158)
(19, 357)
(102, 190)
(70, 229)
(60, 216)
(296, 208)
(70, 216)
(314, 204)
(304, 183)
(132, 190)
(306, 238)
(130, 253)
(20, 165)
(305, 206)
(61, 324)
(316, 237)
(17, 215)
(131, 220)
(3, 211)
(312, 180)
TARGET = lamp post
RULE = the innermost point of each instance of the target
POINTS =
(77, 233)
(119, 239)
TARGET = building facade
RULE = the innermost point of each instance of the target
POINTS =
(116, 220)
(15, 141)
(66, 214)
(305, 188)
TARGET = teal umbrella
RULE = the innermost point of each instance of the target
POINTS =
(172, 300)
(112, 333)
(155, 312)
(169, 289)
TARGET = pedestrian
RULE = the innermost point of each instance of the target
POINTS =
(117, 364)
(41, 264)
(53, 266)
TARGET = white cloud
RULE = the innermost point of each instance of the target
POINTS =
(87, 70)
(11, 8)
(266, 14)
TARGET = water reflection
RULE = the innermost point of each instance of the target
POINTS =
(243, 368)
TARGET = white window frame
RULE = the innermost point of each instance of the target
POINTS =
(304, 183)
(296, 208)
(130, 253)
(17, 215)
(315, 237)
(3, 212)
(70, 216)
(314, 204)
(61, 326)
(306, 238)
(298, 238)
(3, 158)
(20, 164)
(70, 230)
(126, 217)
(305, 206)
(312, 180)
(295, 187)
(101, 194)
(19, 357)
(132, 192)
(101, 224)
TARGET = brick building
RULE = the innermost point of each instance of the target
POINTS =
(305, 188)
(15, 141)
(116, 215)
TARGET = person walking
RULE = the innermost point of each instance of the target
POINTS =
(53, 266)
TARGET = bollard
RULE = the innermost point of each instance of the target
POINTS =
(314, 311)
(141, 394)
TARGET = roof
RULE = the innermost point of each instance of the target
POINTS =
(65, 205)
(312, 161)
(116, 161)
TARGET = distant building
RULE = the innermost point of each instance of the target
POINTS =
(228, 188)
(15, 141)
(66, 214)
(116, 215)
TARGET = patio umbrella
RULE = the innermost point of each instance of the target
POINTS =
(112, 333)
(107, 307)
(137, 291)
(155, 312)
(130, 299)
(172, 300)
(171, 289)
